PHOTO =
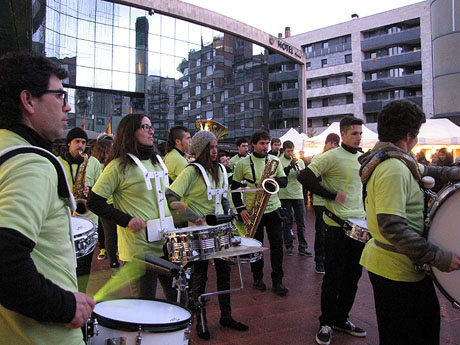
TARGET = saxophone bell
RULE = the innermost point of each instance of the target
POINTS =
(270, 186)
(81, 210)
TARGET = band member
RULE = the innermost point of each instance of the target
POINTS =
(72, 161)
(191, 186)
(243, 148)
(405, 300)
(250, 169)
(292, 200)
(342, 189)
(332, 142)
(39, 302)
(178, 145)
(128, 180)
(275, 147)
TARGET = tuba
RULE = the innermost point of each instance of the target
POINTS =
(217, 128)
(268, 187)
(78, 188)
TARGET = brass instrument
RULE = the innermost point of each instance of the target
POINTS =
(217, 128)
(78, 188)
(269, 186)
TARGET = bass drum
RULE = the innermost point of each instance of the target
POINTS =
(443, 230)
(137, 321)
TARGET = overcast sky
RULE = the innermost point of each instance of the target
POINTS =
(301, 15)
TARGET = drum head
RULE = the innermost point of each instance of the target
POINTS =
(80, 225)
(444, 232)
(154, 316)
(250, 242)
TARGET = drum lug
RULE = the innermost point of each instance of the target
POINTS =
(139, 336)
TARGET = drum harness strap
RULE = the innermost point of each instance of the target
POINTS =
(63, 186)
(156, 175)
(371, 159)
(217, 192)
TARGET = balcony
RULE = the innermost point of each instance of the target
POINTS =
(283, 76)
(335, 110)
(331, 50)
(391, 83)
(330, 91)
(285, 113)
(410, 36)
(406, 59)
(376, 106)
(282, 95)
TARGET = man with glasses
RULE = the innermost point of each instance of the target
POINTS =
(39, 302)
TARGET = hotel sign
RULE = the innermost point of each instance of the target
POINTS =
(285, 47)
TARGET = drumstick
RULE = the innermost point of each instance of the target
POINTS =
(128, 273)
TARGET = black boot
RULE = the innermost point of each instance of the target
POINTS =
(231, 323)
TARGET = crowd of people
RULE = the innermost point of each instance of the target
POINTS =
(131, 192)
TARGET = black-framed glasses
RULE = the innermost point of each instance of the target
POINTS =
(146, 127)
(62, 94)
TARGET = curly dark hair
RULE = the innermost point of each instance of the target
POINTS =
(102, 149)
(126, 142)
(259, 135)
(398, 118)
(19, 71)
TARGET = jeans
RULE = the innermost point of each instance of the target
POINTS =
(298, 206)
(408, 313)
(320, 234)
(342, 272)
(200, 277)
(272, 223)
(110, 236)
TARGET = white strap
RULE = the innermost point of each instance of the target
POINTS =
(217, 192)
(156, 175)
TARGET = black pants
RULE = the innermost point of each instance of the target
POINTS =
(320, 234)
(298, 206)
(83, 271)
(407, 313)
(110, 240)
(200, 277)
(272, 223)
(340, 281)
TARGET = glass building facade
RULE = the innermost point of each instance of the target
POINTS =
(123, 59)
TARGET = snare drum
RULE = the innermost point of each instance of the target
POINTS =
(84, 235)
(197, 242)
(136, 321)
(248, 258)
(443, 231)
(356, 228)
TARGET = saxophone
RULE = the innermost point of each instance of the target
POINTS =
(78, 188)
(268, 187)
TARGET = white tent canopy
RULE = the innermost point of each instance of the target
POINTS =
(295, 137)
(439, 132)
(369, 137)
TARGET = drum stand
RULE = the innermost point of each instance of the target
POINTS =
(201, 299)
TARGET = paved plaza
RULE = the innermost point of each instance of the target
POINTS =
(290, 320)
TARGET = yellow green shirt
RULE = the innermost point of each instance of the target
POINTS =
(130, 195)
(293, 189)
(339, 170)
(243, 172)
(234, 161)
(392, 190)
(175, 162)
(190, 186)
(29, 203)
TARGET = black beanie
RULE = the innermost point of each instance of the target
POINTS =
(76, 132)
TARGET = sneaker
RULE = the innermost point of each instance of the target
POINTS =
(102, 255)
(305, 252)
(289, 251)
(259, 285)
(324, 335)
(320, 269)
(350, 328)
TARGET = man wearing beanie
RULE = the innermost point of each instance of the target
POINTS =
(191, 186)
(332, 142)
(250, 169)
(71, 160)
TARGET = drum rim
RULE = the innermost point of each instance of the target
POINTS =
(443, 291)
(126, 326)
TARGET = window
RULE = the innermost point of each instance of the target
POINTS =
(349, 99)
(308, 104)
(309, 123)
(198, 62)
(349, 79)
(251, 104)
(208, 70)
(324, 82)
(242, 106)
(309, 49)
(325, 102)
(198, 75)
(325, 121)
(308, 84)
(323, 63)
(241, 89)
(325, 45)
(251, 86)
(308, 66)
(197, 89)
(242, 124)
(348, 58)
